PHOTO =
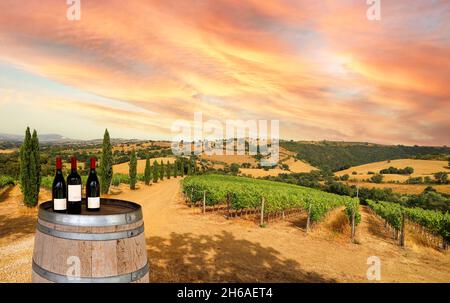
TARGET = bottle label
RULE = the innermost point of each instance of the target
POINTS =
(74, 193)
(60, 204)
(93, 202)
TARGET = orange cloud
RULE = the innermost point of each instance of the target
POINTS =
(321, 68)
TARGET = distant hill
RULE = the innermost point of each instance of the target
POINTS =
(337, 156)
(42, 138)
(57, 139)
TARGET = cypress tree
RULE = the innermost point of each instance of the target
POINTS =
(24, 175)
(147, 172)
(106, 164)
(175, 169)
(155, 172)
(182, 167)
(168, 170)
(161, 171)
(30, 168)
(194, 166)
(35, 169)
(87, 165)
(189, 168)
(133, 169)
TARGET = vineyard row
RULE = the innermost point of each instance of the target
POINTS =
(241, 194)
(395, 215)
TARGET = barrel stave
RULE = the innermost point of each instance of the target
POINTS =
(106, 253)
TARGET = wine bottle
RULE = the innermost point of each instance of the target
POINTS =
(59, 191)
(92, 189)
(73, 189)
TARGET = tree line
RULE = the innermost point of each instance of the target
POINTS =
(323, 180)
(335, 156)
(160, 170)
(397, 171)
(30, 165)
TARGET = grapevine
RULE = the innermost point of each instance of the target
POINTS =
(435, 222)
(247, 193)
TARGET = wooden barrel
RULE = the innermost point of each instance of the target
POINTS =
(106, 246)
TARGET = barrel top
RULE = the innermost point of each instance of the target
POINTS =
(112, 212)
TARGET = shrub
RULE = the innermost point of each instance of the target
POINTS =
(6, 181)
(246, 165)
(377, 178)
(427, 180)
(441, 177)
(399, 171)
(115, 181)
(345, 177)
(284, 166)
(234, 168)
(120, 179)
(47, 182)
(415, 180)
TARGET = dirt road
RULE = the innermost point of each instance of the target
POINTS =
(187, 246)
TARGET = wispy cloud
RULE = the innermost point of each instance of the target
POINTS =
(320, 67)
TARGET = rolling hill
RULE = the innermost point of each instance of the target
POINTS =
(336, 156)
(422, 168)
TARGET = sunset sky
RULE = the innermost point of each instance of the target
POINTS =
(320, 67)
